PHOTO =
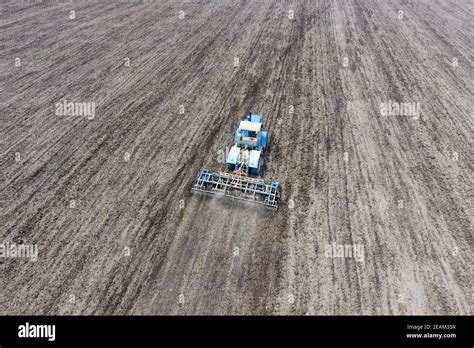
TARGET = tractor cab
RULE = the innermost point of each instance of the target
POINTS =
(250, 133)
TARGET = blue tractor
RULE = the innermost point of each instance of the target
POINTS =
(250, 139)
(242, 178)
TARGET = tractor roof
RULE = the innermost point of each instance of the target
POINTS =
(250, 126)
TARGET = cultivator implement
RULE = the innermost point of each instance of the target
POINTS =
(238, 186)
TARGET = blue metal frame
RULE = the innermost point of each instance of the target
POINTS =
(238, 187)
